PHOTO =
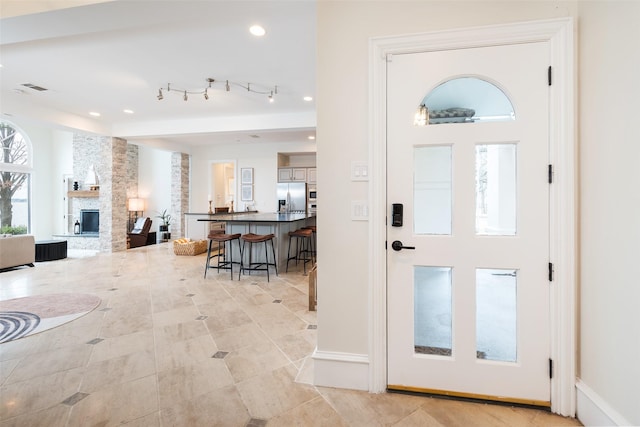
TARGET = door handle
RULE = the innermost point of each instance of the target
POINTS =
(398, 246)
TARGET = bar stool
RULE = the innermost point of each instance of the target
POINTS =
(303, 247)
(252, 238)
(314, 242)
(222, 238)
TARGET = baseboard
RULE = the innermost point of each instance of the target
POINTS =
(341, 370)
(593, 410)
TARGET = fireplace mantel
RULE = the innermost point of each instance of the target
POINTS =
(81, 193)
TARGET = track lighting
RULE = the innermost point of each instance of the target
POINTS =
(250, 87)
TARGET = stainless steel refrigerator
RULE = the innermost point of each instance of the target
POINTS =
(292, 197)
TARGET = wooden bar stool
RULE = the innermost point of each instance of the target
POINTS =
(222, 238)
(313, 229)
(259, 265)
(303, 250)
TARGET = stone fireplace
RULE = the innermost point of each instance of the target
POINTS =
(105, 199)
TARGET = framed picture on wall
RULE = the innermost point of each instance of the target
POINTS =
(247, 192)
(246, 176)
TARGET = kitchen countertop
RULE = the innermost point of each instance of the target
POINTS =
(258, 217)
(220, 213)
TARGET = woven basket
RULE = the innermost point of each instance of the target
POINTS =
(189, 247)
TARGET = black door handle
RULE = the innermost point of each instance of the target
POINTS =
(398, 246)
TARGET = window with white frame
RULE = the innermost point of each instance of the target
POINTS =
(15, 180)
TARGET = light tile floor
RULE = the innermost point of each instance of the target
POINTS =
(167, 347)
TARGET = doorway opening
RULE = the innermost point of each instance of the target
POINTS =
(562, 151)
(222, 185)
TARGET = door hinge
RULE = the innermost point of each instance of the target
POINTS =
(550, 174)
(549, 75)
(551, 272)
(389, 57)
(385, 245)
(550, 368)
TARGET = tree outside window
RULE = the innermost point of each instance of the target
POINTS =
(15, 173)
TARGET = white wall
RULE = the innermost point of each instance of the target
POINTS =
(154, 182)
(610, 210)
(262, 157)
(61, 164)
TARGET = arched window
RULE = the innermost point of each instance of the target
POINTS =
(464, 100)
(15, 180)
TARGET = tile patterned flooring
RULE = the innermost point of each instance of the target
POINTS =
(167, 347)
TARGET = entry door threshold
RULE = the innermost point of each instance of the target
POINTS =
(470, 397)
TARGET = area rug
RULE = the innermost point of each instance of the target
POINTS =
(21, 317)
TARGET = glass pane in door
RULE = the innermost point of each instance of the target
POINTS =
(465, 100)
(432, 310)
(432, 190)
(496, 189)
(496, 314)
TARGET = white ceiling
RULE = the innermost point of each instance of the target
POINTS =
(110, 56)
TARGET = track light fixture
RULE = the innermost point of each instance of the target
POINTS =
(270, 92)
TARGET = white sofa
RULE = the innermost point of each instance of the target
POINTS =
(17, 250)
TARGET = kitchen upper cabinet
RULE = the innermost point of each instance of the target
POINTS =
(311, 175)
(292, 174)
(285, 174)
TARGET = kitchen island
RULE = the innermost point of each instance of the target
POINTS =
(199, 230)
(279, 224)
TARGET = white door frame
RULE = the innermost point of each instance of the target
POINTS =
(562, 212)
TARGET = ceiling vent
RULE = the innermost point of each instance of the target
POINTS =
(34, 87)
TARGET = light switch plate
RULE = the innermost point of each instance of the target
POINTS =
(359, 171)
(359, 210)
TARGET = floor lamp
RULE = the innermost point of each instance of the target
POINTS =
(135, 206)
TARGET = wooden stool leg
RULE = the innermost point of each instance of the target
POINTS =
(289, 254)
(206, 266)
(306, 254)
(275, 262)
(266, 259)
(241, 269)
(230, 257)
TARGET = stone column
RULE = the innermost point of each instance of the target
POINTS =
(86, 153)
(113, 195)
(132, 171)
(180, 171)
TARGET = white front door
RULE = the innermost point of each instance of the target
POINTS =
(468, 296)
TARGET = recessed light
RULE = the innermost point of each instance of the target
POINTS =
(94, 114)
(257, 30)
(308, 98)
(128, 111)
(311, 137)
